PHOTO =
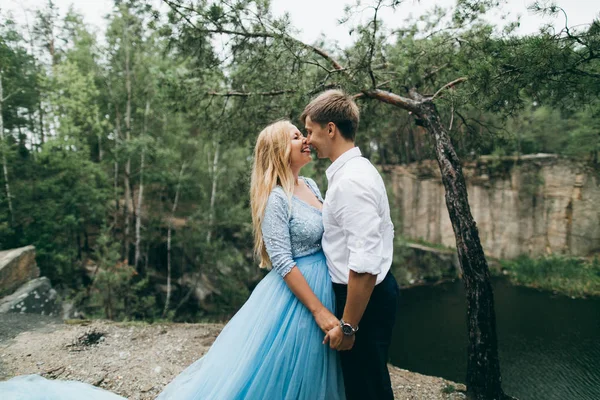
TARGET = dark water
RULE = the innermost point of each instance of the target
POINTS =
(549, 345)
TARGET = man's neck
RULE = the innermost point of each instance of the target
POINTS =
(341, 149)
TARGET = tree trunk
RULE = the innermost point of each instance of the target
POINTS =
(116, 166)
(3, 147)
(39, 104)
(41, 122)
(147, 257)
(173, 209)
(483, 367)
(213, 193)
(108, 304)
(100, 153)
(79, 247)
(138, 220)
(128, 198)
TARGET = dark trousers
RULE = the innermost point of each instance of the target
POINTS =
(364, 367)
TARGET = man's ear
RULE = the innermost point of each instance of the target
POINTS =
(331, 129)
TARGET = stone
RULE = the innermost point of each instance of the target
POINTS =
(17, 266)
(418, 264)
(36, 296)
(532, 205)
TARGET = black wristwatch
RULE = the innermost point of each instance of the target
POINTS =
(348, 329)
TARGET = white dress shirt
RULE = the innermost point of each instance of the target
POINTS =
(359, 234)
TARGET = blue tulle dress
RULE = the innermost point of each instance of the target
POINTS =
(271, 349)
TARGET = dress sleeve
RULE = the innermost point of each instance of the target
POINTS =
(276, 232)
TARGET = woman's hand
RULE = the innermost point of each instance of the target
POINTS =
(335, 337)
(325, 319)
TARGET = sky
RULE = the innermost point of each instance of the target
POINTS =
(320, 17)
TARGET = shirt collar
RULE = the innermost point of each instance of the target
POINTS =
(343, 159)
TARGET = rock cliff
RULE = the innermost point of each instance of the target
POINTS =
(533, 205)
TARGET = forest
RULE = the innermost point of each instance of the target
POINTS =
(126, 159)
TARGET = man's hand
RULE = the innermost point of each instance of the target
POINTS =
(325, 319)
(335, 337)
(347, 343)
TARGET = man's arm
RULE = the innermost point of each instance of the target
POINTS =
(357, 212)
(360, 287)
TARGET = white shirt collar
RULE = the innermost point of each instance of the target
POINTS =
(341, 160)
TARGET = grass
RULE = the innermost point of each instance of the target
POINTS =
(567, 275)
(437, 246)
(448, 389)
(571, 276)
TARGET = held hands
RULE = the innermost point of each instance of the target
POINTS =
(337, 340)
(325, 319)
(330, 325)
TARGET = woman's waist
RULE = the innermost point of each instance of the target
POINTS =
(310, 256)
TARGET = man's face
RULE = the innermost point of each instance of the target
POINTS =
(318, 137)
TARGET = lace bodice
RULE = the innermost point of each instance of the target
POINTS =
(293, 232)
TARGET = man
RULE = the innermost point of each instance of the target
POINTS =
(358, 245)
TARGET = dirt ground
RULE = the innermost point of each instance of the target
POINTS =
(138, 360)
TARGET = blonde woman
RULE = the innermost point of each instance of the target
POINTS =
(273, 347)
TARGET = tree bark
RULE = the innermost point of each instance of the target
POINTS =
(39, 104)
(128, 197)
(138, 220)
(173, 209)
(41, 122)
(483, 367)
(3, 145)
(100, 153)
(483, 380)
(116, 166)
(213, 193)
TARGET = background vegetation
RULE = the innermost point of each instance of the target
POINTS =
(125, 162)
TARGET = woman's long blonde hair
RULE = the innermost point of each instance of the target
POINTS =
(271, 167)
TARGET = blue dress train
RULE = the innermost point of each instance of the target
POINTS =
(271, 349)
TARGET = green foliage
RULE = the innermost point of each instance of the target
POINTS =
(448, 389)
(19, 79)
(79, 114)
(55, 207)
(571, 276)
(116, 291)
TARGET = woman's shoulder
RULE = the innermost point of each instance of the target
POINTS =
(278, 202)
(277, 195)
(311, 183)
(277, 191)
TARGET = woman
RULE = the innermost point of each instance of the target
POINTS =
(273, 347)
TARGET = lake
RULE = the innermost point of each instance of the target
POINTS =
(549, 345)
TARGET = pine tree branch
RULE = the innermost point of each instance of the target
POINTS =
(390, 98)
(264, 34)
(248, 94)
(448, 86)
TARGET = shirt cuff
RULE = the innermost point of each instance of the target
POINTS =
(363, 262)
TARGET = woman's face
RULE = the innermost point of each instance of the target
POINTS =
(300, 151)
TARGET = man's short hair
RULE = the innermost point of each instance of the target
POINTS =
(337, 107)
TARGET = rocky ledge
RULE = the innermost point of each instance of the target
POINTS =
(138, 360)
